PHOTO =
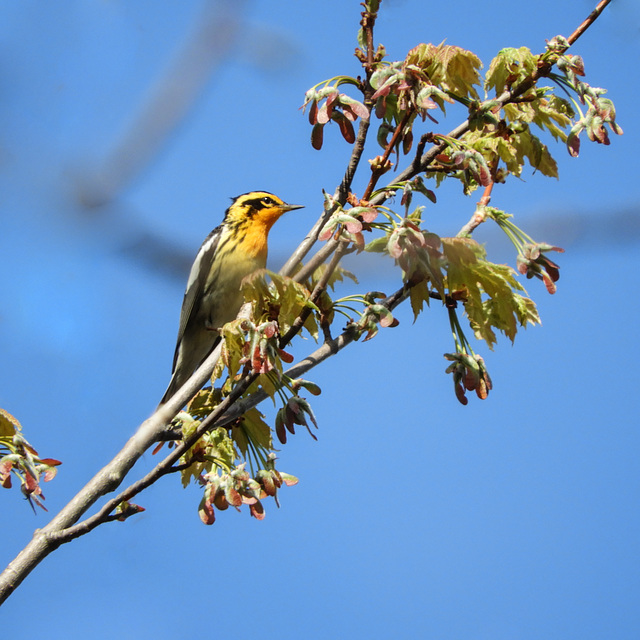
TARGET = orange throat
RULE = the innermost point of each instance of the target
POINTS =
(254, 237)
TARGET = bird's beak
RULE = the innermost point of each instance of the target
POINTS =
(291, 207)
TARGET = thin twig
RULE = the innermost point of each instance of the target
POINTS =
(376, 173)
(342, 192)
(423, 164)
(479, 215)
(290, 266)
(318, 259)
(321, 285)
(591, 18)
(340, 199)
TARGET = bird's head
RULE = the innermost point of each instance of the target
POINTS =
(259, 207)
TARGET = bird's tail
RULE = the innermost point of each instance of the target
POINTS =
(175, 383)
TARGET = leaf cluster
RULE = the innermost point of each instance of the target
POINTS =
(237, 487)
(20, 460)
(490, 293)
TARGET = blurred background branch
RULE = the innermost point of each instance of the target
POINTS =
(214, 34)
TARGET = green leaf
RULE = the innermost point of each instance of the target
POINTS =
(449, 67)
(536, 152)
(285, 297)
(489, 290)
(9, 425)
(213, 450)
(252, 428)
(509, 68)
(418, 295)
(203, 403)
(554, 114)
(378, 245)
(512, 148)
(232, 349)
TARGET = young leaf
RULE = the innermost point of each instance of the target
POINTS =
(252, 428)
(490, 290)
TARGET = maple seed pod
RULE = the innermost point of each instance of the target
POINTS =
(353, 107)
(265, 478)
(316, 136)
(346, 128)
(284, 356)
(313, 113)
(232, 496)
(481, 390)
(280, 429)
(311, 387)
(462, 398)
(407, 141)
(220, 501)
(471, 380)
(293, 415)
(331, 100)
(257, 510)
(206, 512)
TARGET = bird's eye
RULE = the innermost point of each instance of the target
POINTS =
(268, 201)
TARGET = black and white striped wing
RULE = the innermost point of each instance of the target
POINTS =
(196, 285)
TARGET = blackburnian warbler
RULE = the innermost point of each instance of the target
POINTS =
(231, 252)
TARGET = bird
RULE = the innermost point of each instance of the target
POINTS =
(231, 252)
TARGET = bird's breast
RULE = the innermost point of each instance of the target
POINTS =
(223, 297)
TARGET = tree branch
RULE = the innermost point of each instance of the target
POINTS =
(590, 19)
(162, 468)
(108, 479)
(340, 198)
(479, 215)
(318, 259)
(212, 39)
(376, 173)
(342, 192)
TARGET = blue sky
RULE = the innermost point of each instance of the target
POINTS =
(515, 517)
